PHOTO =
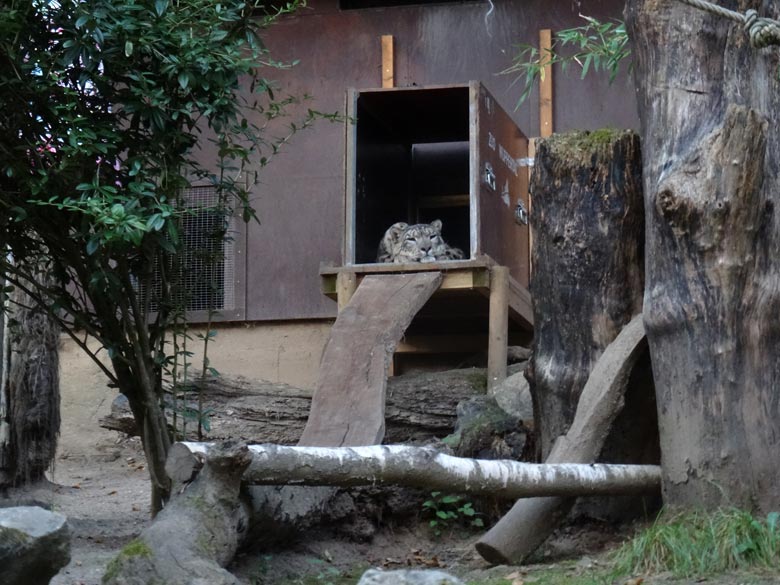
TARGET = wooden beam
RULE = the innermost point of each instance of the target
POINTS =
(388, 72)
(545, 85)
(498, 326)
(436, 201)
(346, 283)
(529, 170)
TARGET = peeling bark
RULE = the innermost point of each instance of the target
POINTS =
(588, 226)
(710, 113)
(427, 468)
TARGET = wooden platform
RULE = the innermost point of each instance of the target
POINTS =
(459, 276)
(477, 307)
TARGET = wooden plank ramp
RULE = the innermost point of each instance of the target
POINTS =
(348, 406)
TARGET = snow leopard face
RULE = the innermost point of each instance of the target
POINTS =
(422, 242)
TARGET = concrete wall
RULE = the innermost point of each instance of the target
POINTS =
(286, 352)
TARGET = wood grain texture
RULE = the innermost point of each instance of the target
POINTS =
(710, 108)
(545, 85)
(348, 407)
(588, 225)
(531, 521)
(388, 67)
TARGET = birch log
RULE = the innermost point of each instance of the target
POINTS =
(424, 467)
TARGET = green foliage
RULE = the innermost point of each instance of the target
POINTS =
(701, 544)
(446, 510)
(103, 103)
(598, 46)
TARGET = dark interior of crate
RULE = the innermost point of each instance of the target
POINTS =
(412, 164)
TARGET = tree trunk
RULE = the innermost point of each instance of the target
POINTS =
(197, 533)
(710, 107)
(587, 257)
(30, 402)
(419, 407)
(531, 521)
(423, 467)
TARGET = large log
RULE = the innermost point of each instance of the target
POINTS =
(710, 115)
(419, 407)
(196, 534)
(530, 522)
(588, 230)
(424, 467)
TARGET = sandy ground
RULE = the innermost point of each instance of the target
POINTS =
(100, 482)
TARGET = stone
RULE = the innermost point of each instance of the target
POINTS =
(34, 545)
(408, 577)
(485, 431)
(513, 396)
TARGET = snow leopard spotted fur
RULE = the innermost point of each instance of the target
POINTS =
(422, 242)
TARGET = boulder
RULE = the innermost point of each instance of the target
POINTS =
(513, 396)
(34, 545)
(408, 577)
(485, 431)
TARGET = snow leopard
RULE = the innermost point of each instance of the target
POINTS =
(422, 242)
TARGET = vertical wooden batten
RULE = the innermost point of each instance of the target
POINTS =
(498, 324)
(388, 67)
(545, 85)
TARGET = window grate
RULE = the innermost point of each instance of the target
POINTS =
(207, 275)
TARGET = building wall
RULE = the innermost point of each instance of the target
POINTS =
(300, 197)
(287, 352)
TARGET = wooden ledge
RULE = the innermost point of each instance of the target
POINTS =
(458, 276)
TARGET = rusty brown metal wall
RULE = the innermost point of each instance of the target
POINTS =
(300, 200)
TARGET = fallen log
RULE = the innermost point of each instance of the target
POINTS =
(196, 534)
(530, 522)
(423, 467)
(419, 407)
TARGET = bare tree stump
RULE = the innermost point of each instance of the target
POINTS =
(588, 230)
(197, 533)
(709, 105)
(30, 388)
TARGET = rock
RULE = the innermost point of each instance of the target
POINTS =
(517, 353)
(34, 545)
(408, 577)
(485, 431)
(513, 395)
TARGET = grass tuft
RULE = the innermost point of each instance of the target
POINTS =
(699, 543)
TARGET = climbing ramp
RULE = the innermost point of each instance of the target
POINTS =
(348, 407)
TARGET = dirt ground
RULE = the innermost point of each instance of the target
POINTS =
(99, 481)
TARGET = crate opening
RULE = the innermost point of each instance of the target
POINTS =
(412, 165)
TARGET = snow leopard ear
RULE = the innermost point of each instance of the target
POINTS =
(436, 224)
(395, 230)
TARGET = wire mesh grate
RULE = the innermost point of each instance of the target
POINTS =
(204, 278)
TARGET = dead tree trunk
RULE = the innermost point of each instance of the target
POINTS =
(587, 282)
(423, 467)
(30, 392)
(419, 407)
(710, 113)
(196, 534)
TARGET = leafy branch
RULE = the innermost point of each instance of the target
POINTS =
(598, 46)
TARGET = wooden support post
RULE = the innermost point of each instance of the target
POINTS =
(346, 283)
(388, 73)
(545, 85)
(498, 325)
(529, 168)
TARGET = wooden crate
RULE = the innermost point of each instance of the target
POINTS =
(446, 152)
